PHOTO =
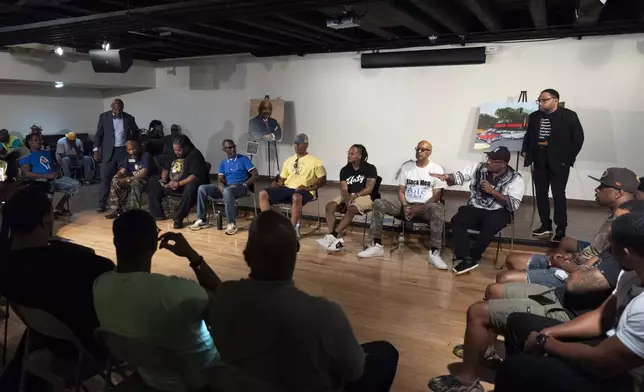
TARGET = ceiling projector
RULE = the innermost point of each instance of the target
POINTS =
(343, 22)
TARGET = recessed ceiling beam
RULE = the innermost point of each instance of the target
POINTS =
(382, 33)
(319, 29)
(413, 20)
(209, 38)
(282, 30)
(539, 13)
(481, 8)
(242, 34)
(438, 11)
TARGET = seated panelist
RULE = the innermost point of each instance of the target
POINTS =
(357, 182)
(302, 174)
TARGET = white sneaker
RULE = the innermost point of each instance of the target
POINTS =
(231, 229)
(375, 250)
(336, 245)
(198, 225)
(436, 260)
(326, 241)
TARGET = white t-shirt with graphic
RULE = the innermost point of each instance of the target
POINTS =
(419, 183)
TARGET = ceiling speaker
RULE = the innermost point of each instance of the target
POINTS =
(110, 61)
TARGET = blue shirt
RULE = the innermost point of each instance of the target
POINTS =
(236, 170)
(119, 132)
(40, 162)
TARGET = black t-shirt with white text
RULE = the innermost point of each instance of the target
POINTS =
(357, 179)
(543, 138)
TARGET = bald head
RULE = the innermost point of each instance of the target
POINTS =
(272, 247)
(423, 151)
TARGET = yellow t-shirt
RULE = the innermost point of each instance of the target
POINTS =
(305, 172)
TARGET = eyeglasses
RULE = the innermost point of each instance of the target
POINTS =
(543, 100)
(421, 149)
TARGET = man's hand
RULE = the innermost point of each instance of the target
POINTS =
(52, 176)
(558, 260)
(275, 184)
(173, 185)
(530, 346)
(414, 210)
(97, 156)
(442, 177)
(486, 187)
(177, 244)
(302, 188)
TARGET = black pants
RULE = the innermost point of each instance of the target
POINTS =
(489, 223)
(522, 372)
(381, 363)
(109, 167)
(544, 179)
(156, 193)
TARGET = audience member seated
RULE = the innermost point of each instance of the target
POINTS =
(185, 175)
(617, 185)
(419, 196)
(585, 290)
(50, 275)
(357, 181)
(8, 143)
(276, 333)
(162, 311)
(236, 175)
(130, 179)
(39, 166)
(640, 190)
(496, 191)
(69, 154)
(36, 129)
(302, 175)
(601, 350)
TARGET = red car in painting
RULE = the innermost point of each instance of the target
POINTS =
(489, 137)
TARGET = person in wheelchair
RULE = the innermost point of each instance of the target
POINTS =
(40, 166)
(131, 178)
(236, 174)
(419, 195)
(357, 182)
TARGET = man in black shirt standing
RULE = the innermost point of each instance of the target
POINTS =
(552, 142)
(357, 179)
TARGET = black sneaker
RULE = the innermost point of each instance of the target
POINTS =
(114, 214)
(559, 235)
(465, 266)
(543, 230)
(178, 225)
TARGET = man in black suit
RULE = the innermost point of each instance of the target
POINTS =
(263, 126)
(553, 140)
(115, 127)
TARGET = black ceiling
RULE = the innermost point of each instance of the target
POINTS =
(155, 30)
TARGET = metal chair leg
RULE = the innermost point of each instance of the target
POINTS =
(6, 333)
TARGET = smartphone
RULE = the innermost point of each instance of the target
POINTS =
(541, 300)
(162, 182)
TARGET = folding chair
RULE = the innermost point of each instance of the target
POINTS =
(251, 193)
(287, 208)
(498, 239)
(58, 372)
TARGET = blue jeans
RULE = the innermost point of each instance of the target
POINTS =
(539, 272)
(69, 163)
(230, 194)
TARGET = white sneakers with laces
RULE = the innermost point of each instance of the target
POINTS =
(331, 243)
(436, 260)
(326, 241)
(375, 250)
(231, 229)
(198, 225)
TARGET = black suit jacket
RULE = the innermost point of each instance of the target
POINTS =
(566, 139)
(104, 138)
(258, 130)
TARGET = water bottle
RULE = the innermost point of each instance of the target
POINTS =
(220, 221)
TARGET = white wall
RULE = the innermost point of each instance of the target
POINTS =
(389, 110)
(57, 110)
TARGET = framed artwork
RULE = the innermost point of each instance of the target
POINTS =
(266, 117)
(502, 124)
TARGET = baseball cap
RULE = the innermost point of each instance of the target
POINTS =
(301, 139)
(71, 136)
(499, 154)
(620, 178)
(36, 126)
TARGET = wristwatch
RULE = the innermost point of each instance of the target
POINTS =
(541, 343)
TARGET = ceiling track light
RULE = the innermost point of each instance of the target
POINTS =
(59, 50)
(59, 84)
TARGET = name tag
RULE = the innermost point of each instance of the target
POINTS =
(131, 160)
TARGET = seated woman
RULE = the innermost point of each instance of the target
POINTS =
(187, 172)
(131, 178)
(39, 166)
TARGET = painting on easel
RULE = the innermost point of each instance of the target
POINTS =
(266, 119)
(502, 124)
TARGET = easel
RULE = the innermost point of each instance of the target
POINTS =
(523, 97)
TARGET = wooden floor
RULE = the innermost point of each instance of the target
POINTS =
(399, 298)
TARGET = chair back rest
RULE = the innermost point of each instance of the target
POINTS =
(251, 188)
(45, 324)
(138, 353)
(375, 192)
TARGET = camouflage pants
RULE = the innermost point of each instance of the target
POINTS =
(434, 214)
(119, 194)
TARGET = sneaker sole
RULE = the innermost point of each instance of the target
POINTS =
(442, 268)
(197, 228)
(371, 257)
(465, 270)
(231, 233)
(542, 234)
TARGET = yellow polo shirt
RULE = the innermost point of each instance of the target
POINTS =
(302, 171)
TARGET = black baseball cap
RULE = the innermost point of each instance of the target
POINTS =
(619, 178)
(499, 154)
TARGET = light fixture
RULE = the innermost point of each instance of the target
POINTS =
(59, 50)
(59, 84)
(106, 45)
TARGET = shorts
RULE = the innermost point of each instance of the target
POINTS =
(362, 203)
(516, 300)
(581, 245)
(283, 195)
(539, 273)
